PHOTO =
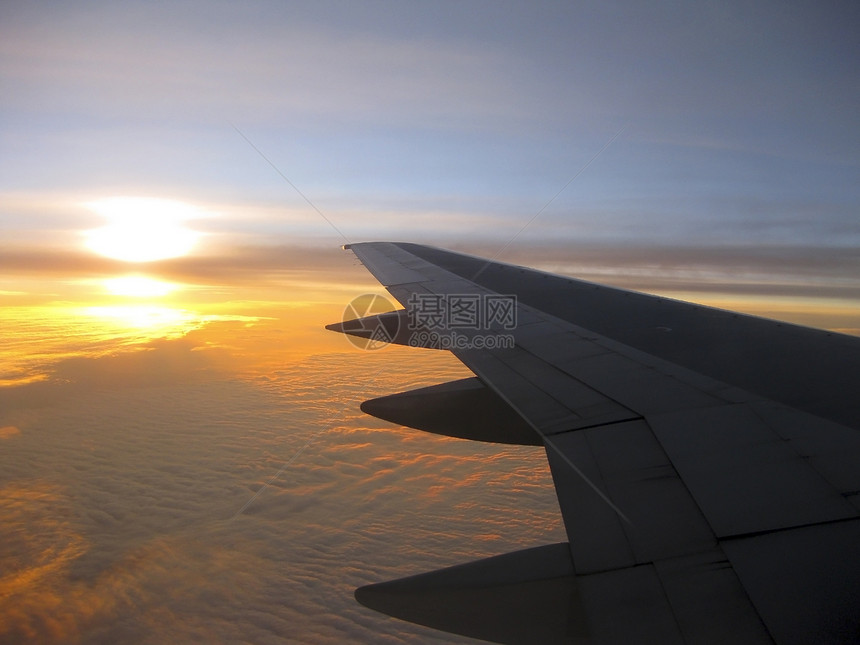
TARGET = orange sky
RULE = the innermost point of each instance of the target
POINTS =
(270, 303)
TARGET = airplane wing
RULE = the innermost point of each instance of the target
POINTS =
(707, 463)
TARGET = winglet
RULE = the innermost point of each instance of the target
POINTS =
(389, 327)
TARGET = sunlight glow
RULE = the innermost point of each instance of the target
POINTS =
(138, 286)
(145, 317)
(142, 229)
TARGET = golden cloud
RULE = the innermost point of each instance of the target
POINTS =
(8, 431)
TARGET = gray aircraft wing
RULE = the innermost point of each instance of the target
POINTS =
(707, 463)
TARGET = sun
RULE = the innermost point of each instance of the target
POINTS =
(142, 229)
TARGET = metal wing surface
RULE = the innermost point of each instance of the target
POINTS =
(707, 463)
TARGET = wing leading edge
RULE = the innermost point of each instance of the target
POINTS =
(705, 461)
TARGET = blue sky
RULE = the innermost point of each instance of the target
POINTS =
(452, 123)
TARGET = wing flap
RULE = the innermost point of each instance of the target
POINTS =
(539, 395)
(627, 464)
(804, 582)
(708, 601)
(832, 450)
(744, 476)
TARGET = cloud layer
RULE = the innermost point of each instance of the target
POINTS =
(120, 502)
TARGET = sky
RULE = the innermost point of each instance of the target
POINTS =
(176, 181)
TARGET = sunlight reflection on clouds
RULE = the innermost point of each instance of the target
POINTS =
(145, 476)
(34, 338)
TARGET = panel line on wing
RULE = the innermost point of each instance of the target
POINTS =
(602, 424)
(550, 443)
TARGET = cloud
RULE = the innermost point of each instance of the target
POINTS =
(7, 432)
(695, 265)
(813, 285)
(263, 273)
(107, 62)
(119, 504)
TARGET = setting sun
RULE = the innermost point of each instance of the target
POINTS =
(138, 286)
(142, 229)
